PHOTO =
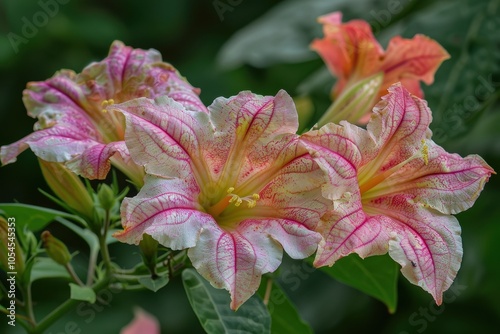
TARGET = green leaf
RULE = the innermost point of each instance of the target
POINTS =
(45, 267)
(376, 276)
(33, 217)
(284, 316)
(84, 293)
(212, 308)
(154, 284)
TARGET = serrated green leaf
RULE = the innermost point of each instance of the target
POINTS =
(45, 267)
(376, 276)
(212, 308)
(83, 293)
(284, 316)
(154, 284)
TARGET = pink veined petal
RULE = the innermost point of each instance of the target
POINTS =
(416, 59)
(336, 149)
(56, 144)
(408, 186)
(128, 73)
(143, 323)
(447, 183)
(75, 102)
(294, 193)
(398, 124)
(94, 162)
(347, 229)
(424, 242)
(264, 165)
(236, 260)
(55, 93)
(166, 210)
(163, 136)
(229, 261)
(243, 125)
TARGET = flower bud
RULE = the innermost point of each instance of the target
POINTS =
(55, 248)
(106, 197)
(67, 186)
(11, 255)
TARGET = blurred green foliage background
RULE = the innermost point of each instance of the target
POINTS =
(227, 46)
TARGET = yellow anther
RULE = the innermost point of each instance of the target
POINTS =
(107, 103)
(237, 200)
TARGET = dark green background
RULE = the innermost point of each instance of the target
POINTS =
(270, 55)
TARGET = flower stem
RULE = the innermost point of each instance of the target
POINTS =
(29, 305)
(269, 287)
(74, 276)
(63, 308)
(104, 247)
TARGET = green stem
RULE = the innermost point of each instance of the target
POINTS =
(63, 309)
(269, 287)
(104, 247)
(92, 263)
(29, 304)
(105, 254)
(74, 276)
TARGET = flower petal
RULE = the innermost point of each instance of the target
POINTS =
(424, 242)
(164, 137)
(408, 186)
(346, 230)
(228, 260)
(56, 144)
(236, 260)
(243, 125)
(412, 59)
(398, 124)
(445, 182)
(349, 49)
(166, 210)
(94, 162)
(129, 73)
(294, 193)
(70, 102)
(336, 150)
(142, 323)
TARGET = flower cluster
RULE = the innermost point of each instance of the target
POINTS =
(236, 185)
